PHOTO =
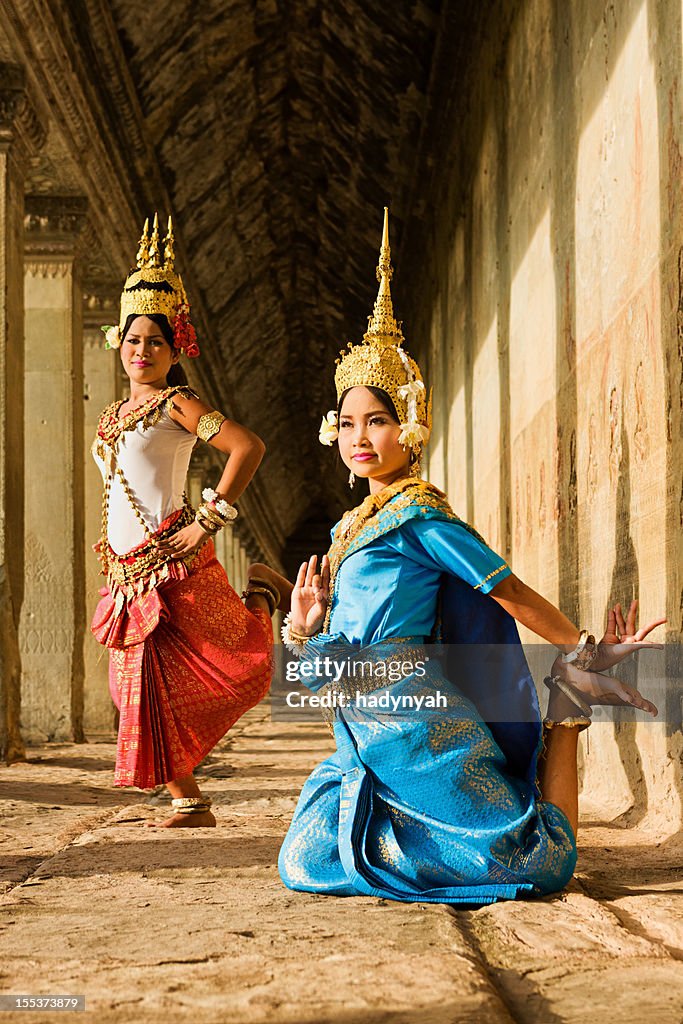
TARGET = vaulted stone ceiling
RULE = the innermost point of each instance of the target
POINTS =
(281, 129)
(275, 131)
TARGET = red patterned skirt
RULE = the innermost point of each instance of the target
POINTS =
(187, 659)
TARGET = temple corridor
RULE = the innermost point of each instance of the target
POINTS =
(530, 152)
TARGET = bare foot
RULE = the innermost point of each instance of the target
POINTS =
(203, 820)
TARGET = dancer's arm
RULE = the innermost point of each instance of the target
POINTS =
(536, 613)
(244, 450)
(454, 547)
(547, 621)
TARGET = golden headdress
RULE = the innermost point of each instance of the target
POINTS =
(381, 361)
(153, 286)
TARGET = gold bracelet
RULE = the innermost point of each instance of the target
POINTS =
(301, 638)
(568, 723)
(212, 524)
(206, 526)
(291, 642)
(212, 513)
(291, 635)
(269, 599)
(258, 581)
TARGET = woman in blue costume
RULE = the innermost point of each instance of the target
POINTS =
(463, 804)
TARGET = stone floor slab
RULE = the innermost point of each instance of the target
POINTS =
(160, 925)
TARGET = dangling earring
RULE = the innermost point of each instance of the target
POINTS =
(415, 463)
(352, 479)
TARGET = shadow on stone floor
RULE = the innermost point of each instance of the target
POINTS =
(159, 850)
(616, 867)
(16, 868)
(316, 752)
(66, 794)
(609, 891)
(454, 1013)
(232, 796)
(247, 772)
(87, 764)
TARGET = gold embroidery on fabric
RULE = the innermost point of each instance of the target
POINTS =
(361, 525)
(492, 574)
(382, 653)
(209, 424)
(131, 574)
(146, 565)
(357, 525)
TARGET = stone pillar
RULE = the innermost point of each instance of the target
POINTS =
(102, 384)
(20, 133)
(53, 618)
(229, 553)
(245, 560)
(238, 580)
(219, 543)
(195, 484)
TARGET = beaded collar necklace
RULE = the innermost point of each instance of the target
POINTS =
(109, 431)
(111, 426)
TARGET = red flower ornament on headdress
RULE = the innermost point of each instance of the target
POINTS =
(184, 334)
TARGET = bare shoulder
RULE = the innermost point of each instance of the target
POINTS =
(185, 406)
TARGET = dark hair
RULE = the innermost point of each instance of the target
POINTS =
(176, 375)
(380, 395)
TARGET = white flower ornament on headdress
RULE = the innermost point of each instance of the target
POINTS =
(328, 432)
(112, 336)
(413, 433)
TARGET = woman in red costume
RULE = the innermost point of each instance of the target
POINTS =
(187, 658)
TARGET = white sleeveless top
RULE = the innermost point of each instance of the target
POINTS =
(154, 461)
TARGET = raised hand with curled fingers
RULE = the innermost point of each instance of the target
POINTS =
(310, 596)
(622, 639)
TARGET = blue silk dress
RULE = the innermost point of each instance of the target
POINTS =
(438, 806)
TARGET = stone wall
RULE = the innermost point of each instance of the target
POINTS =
(546, 306)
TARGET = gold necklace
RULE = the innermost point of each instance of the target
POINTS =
(121, 571)
(352, 523)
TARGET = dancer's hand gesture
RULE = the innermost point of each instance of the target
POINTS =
(598, 689)
(309, 597)
(622, 638)
(184, 543)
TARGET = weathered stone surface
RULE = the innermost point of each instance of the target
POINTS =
(281, 131)
(149, 923)
(546, 305)
(197, 926)
(53, 619)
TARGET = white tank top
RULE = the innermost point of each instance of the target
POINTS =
(154, 461)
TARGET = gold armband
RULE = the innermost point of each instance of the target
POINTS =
(209, 424)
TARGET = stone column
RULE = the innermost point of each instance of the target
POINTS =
(237, 575)
(245, 560)
(20, 133)
(102, 384)
(195, 484)
(54, 616)
(228, 559)
(219, 545)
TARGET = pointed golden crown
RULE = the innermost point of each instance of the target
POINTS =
(153, 285)
(380, 360)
